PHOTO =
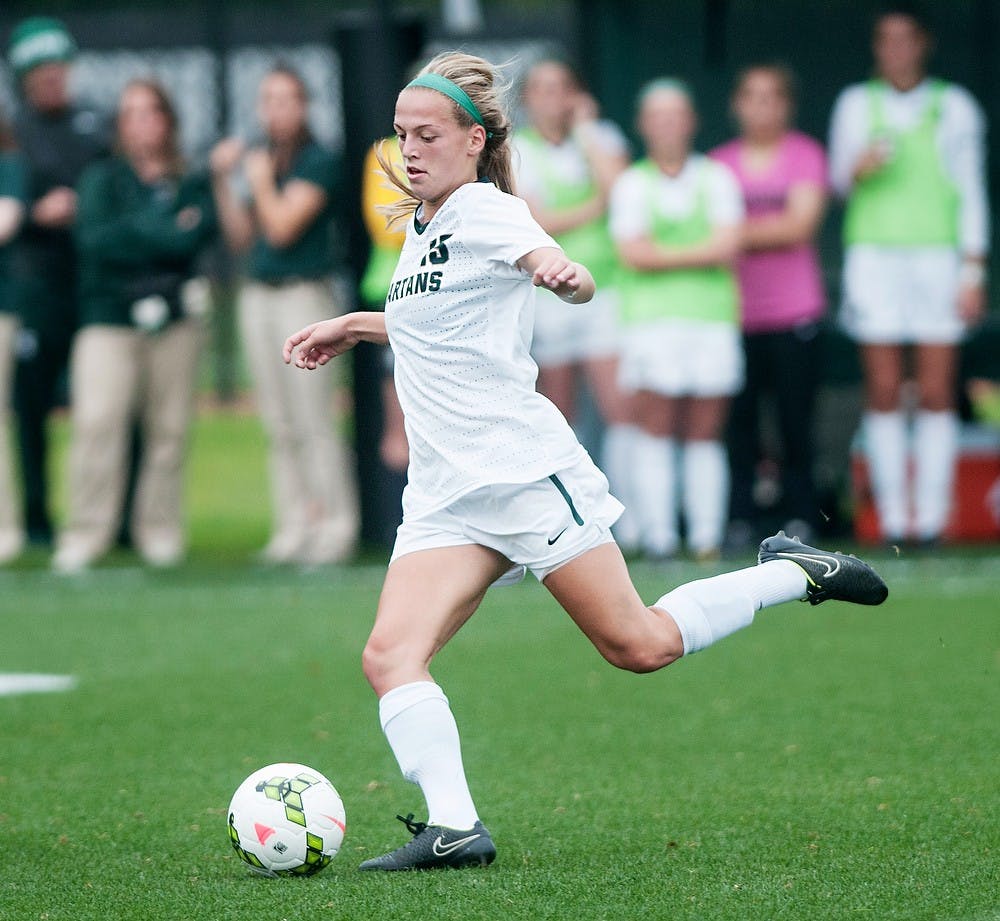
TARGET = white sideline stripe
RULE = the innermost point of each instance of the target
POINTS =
(27, 683)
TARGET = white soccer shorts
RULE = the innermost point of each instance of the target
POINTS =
(677, 358)
(538, 526)
(901, 295)
(567, 333)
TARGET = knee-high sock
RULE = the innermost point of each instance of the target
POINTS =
(885, 445)
(935, 449)
(618, 461)
(423, 735)
(655, 493)
(709, 609)
(706, 493)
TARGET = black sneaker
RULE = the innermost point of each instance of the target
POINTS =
(836, 576)
(435, 847)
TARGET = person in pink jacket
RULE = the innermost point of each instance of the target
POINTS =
(782, 173)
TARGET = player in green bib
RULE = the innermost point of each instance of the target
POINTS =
(907, 153)
(566, 160)
(676, 218)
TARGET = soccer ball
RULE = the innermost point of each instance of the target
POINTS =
(286, 820)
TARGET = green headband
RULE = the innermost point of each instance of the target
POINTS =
(453, 91)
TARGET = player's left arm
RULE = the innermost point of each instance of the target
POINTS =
(551, 268)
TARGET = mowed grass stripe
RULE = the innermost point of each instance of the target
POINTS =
(823, 763)
(826, 763)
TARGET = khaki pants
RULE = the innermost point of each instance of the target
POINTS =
(313, 487)
(117, 375)
(11, 526)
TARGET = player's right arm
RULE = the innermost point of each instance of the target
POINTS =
(853, 155)
(318, 343)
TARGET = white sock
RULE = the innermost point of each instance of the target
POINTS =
(423, 735)
(706, 493)
(655, 492)
(885, 446)
(617, 460)
(935, 449)
(709, 609)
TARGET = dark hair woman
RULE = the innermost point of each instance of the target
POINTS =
(275, 203)
(142, 219)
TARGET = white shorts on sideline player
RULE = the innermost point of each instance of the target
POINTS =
(567, 333)
(682, 358)
(538, 526)
(901, 295)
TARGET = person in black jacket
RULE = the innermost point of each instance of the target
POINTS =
(57, 141)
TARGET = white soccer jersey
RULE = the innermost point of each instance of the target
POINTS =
(459, 315)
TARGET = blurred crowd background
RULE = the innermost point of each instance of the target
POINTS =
(183, 185)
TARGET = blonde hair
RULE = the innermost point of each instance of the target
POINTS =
(480, 81)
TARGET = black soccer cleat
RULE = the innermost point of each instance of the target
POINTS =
(829, 575)
(434, 847)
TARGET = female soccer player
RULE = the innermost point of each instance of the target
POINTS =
(567, 160)
(497, 481)
(676, 218)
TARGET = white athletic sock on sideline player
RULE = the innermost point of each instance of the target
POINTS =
(935, 449)
(706, 493)
(420, 727)
(617, 453)
(655, 492)
(710, 609)
(885, 447)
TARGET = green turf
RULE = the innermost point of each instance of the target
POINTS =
(826, 763)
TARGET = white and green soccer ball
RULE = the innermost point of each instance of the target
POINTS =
(286, 820)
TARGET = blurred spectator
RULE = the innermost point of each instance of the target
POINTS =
(57, 140)
(142, 218)
(275, 203)
(908, 153)
(783, 177)
(676, 220)
(12, 194)
(385, 480)
(386, 242)
(566, 161)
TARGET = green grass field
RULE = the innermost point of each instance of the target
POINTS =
(826, 763)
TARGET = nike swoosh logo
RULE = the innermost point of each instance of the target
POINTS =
(441, 849)
(560, 534)
(831, 563)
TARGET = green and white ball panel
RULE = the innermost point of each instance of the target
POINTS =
(286, 820)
